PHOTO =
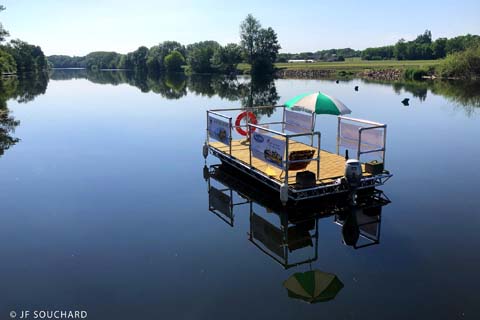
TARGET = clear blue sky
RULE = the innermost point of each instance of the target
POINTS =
(76, 27)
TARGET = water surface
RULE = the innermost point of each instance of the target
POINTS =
(104, 207)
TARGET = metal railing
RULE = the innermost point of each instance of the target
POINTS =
(261, 126)
(286, 162)
(229, 125)
(371, 126)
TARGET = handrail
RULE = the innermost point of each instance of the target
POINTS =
(260, 124)
(229, 126)
(370, 125)
(294, 135)
(248, 108)
(261, 127)
(218, 114)
(287, 137)
(383, 149)
(361, 120)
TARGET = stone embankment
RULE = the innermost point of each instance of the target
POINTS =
(305, 73)
(384, 74)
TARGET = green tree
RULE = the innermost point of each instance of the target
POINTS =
(174, 61)
(139, 58)
(62, 61)
(156, 55)
(249, 34)
(226, 59)
(28, 58)
(199, 56)
(103, 60)
(439, 48)
(425, 38)
(400, 50)
(7, 63)
(3, 33)
(260, 45)
(267, 50)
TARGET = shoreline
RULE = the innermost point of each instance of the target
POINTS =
(380, 74)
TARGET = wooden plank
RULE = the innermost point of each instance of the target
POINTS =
(332, 166)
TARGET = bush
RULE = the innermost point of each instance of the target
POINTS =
(415, 74)
(463, 65)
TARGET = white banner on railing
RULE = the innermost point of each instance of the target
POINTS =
(298, 122)
(371, 138)
(219, 130)
(268, 149)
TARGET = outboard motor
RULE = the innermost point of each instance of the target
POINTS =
(353, 173)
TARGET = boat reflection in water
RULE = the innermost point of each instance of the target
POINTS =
(289, 234)
(293, 228)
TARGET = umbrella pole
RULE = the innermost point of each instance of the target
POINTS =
(314, 120)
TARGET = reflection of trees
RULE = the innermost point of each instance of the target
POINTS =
(257, 91)
(23, 90)
(262, 92)
(465, 94)
(416, 88)
(26, 89)
(229, 88)
(68, 74)
(251, 92)
(170, 86)
(7, 128)
(202, 84)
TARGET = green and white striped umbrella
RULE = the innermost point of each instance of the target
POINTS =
(313, 286)
(319, 103)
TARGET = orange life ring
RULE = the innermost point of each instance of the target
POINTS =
(252, 119)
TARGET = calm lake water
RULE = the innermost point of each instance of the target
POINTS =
(104, 207)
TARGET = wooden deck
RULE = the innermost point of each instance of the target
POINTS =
(332, 166)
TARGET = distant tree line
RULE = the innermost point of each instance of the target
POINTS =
(18, 56)
(322, 55)
(258, 46)
(422, 48)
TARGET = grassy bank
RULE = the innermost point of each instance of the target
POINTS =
(355, 65)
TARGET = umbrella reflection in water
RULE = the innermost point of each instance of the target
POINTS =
(313, 286)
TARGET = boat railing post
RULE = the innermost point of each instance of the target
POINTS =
(250, 144)
(316, 239)
(318, 155)
(359, 143)
(230, 142)
(312, 129)
(287, 139)
(208, 113)
(285, 239)
(338, 134)
(384, 143)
